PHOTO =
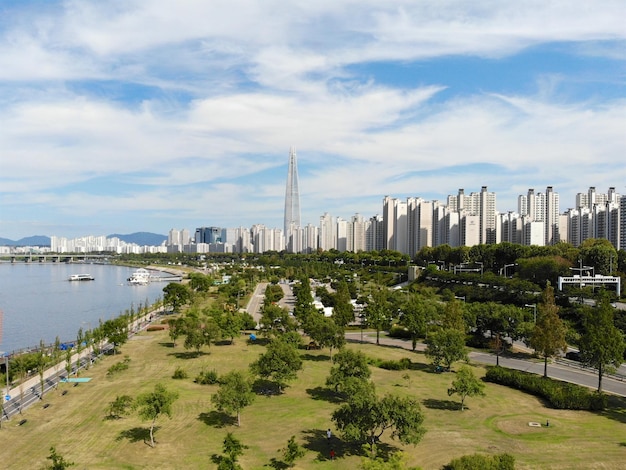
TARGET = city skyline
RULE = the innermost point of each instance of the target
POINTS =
(119, 117)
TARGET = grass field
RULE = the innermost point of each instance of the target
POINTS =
(75, 422)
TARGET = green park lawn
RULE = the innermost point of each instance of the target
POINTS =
(76, 424)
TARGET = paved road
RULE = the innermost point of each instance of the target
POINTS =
(256, 301)
(568, 371)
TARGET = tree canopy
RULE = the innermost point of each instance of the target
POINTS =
(602, 344)
(548, 334)
(155, 404)
(280, 363)
(234, 394)
(466, 384)
(365, 417)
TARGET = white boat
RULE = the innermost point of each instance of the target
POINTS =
(141, 277)
(81, 277)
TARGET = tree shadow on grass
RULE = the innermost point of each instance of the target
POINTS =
(435, 404)
(168, 344)
(615, 408)
(258, 341)
(137, 434)
(188, 354)
(217, 419)
(316, 441)
(325, 394)
(278, 464)
(316, 357)
(266, 388)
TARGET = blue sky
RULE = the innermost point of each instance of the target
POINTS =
(126, 116)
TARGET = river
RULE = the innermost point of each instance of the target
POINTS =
(39, 303)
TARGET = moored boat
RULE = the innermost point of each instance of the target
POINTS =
(81, 277)
(140, 277)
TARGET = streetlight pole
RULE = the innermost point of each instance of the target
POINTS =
(534, 306)
(508, 266)
(580, 270)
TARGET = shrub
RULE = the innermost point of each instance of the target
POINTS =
(482, 462)
(398, 331)
(180, 373)
(209, 377)
(118, 367)
(156, 328)
(402, 364)
(560, 395)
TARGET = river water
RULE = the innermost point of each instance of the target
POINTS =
(39, 303)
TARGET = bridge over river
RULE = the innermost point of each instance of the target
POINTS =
(53, 257)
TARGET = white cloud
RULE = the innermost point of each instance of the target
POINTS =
(220, 90)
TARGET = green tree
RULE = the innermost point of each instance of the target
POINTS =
(232, 449)
(349, 372)
(445, 347)
(599, 253)
(231, 322)
(292, 452)
(199, 282)
(176, 295)
(234, 394)
(343, 311)
(466, 385)
(68, 360)
(42, 362)
(121, 406)
(153, 405)
(116, 331)
(273, 294)
(58, 462)
(548, 335)
(200, 331)
(417, 313)
(377, 312)
(601, 344)
(365, 417)
(325, 332)
(275, 321)
(80, 340)
(280, 363)
(176, 328)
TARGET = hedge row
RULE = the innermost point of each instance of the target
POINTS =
(390, 364)
(560, 395)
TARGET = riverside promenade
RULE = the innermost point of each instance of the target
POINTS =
(28, 392)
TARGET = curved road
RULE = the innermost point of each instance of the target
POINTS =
(567, 371)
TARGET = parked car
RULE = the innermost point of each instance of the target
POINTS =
(573, 356)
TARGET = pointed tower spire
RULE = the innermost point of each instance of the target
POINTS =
(292, 194)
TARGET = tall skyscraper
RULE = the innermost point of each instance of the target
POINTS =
(292, 195)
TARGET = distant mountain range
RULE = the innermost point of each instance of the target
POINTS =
(140, 238)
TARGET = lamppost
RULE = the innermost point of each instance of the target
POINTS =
(534, 307)
(580, 270)
(507, 266)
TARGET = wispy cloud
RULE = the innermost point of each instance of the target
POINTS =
(186, 110)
